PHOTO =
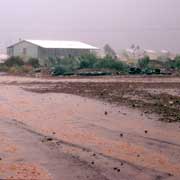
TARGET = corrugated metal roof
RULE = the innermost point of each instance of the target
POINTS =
(61, 44)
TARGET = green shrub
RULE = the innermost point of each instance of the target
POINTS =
(109, 63)
(33, 62)
(14, 61)
(170, 64)
(177, 62)
(3, 68)
(144, 62)
(69, 63)
(173, 64)
(88, 61)
(59, 70)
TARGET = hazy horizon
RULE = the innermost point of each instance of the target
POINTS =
(152, 24)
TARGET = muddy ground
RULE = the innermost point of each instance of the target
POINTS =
(160, 98)
(90, 128)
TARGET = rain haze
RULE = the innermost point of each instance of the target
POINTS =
(152, 24)
(90, 89)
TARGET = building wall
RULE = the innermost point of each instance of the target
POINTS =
(27, 50)
(44, 54)
(24, 50)
(10, 51)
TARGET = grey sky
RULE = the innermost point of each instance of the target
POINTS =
(152, 24)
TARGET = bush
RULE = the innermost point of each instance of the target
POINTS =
(177, 62)
(33, 62)
(59, 70)
(88, 61)
(110, 63)
(170, 64)
(3, 68)
(14, 61)
(144, 62)
(173, 64)
(20, 69)
(69, 63)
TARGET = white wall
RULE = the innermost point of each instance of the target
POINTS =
(31, 50)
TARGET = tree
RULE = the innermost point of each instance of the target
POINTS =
(109, 51)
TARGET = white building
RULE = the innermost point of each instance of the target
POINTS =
(44, 49)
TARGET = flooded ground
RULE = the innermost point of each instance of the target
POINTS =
(104, 128)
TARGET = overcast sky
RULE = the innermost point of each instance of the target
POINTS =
(152, 24)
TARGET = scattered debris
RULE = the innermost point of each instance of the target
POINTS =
(134, 105)
(49, 139)
(171, 102)
(94, 154)
(132, 94)
(116, 169)
(46, 139)
(92, 163)
(169, 174)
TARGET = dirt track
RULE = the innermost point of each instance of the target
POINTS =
(112, 132)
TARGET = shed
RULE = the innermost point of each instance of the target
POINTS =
(44, 49)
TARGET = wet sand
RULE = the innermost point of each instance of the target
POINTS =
(114, 141)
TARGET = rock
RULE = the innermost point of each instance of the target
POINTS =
(171, 102)
(134, 105)
(106, 113)
(145, 131)
(92, 163)
(169, 174)
(49, 139)
(121, 135)
(116, 169)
